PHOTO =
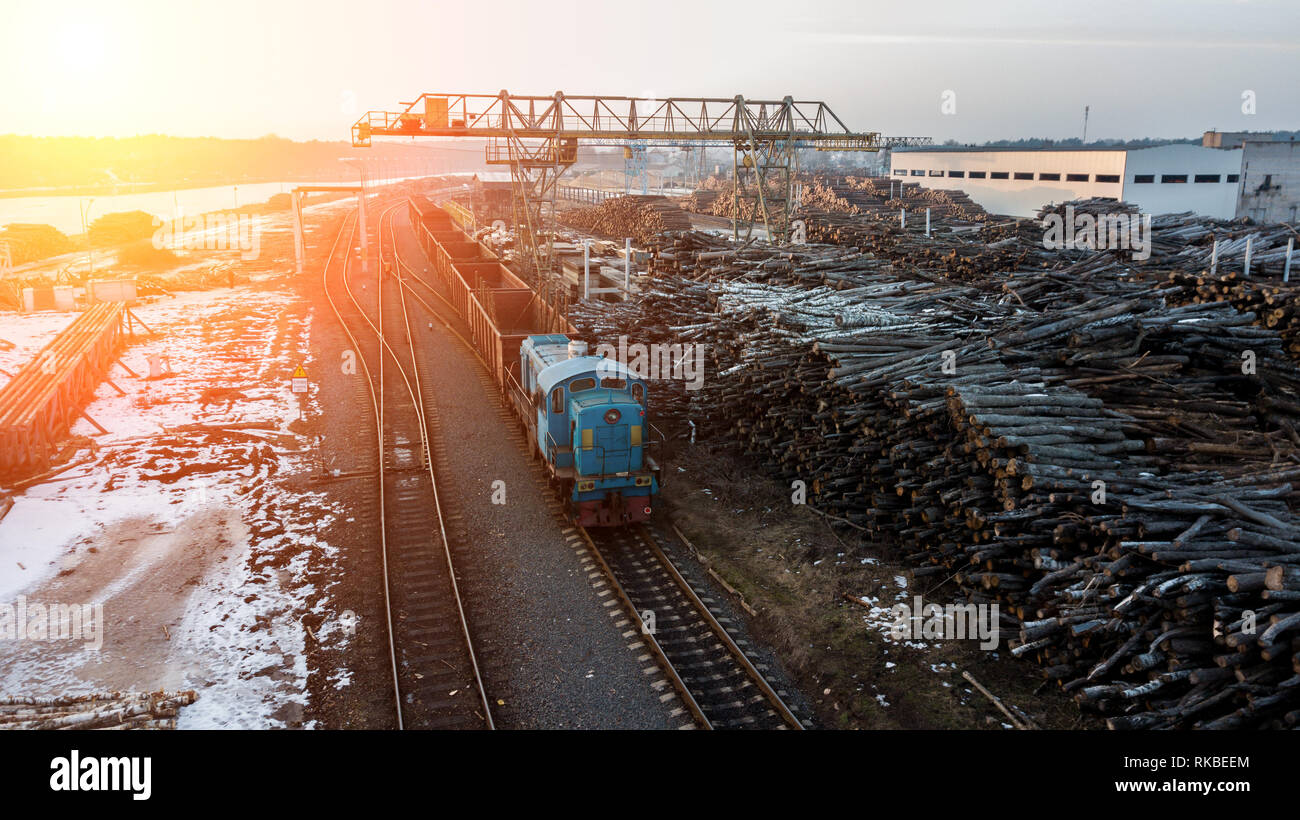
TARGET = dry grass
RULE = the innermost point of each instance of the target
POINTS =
(795, 570)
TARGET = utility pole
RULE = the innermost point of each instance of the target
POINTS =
(361, 207)
(85, 232)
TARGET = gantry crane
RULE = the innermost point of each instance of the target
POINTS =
(537, 137)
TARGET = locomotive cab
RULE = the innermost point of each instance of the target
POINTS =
(589, 425)
(614, 481)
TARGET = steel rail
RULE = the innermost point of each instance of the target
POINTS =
(376, 400)
(661, 656)
(418, 397)
(718, 629)
(629, 606)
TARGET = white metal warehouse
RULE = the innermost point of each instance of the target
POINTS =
(1164, 179)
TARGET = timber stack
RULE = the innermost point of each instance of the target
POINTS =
(640, 217)
(1114, 469)
(114, 710)
(47, 395)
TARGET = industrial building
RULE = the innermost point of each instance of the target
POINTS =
(1018, 182)
(1270, 181)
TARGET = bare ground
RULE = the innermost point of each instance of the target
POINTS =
(789, 565)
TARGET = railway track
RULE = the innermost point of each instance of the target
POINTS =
(710, 671)
(436, 678)
(721, 687)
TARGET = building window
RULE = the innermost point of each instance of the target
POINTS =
(899, 172)
(936, 173)
(1107, 178)
(976, 174)
(999, 175)
(1205, 178)
(1233, 177)
(1051, 177)
(1076, 177)
(956, 173)
(1024, 175)
(1173, 178)
(918, 173)
(1141, 178)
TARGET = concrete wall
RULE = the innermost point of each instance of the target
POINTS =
(1024, 197)
(1017, 197)
(1215, 199)
(1270, 181)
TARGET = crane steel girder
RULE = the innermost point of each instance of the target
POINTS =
(537, 136)
(614, 118)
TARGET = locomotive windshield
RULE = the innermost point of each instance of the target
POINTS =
(578, 385)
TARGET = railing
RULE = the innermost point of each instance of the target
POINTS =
(461, 215)
(593, 196)
(506, 151)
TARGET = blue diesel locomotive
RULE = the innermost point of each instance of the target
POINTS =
(585, 415)
(586, 418)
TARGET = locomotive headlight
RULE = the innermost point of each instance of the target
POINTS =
(643, 481)
(586, 486)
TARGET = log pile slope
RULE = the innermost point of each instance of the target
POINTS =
(640, 217)
(1111, 463)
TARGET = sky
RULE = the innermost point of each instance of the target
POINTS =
(967, 71)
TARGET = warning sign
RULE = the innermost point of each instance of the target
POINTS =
(299, 381)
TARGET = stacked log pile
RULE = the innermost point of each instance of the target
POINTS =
(1188, 242)
(700, 201)
(1066, 443)
(640, 217)
(942, 203)
(1198, 276)
(1093, 206)
(116, 710)
(1273, 302)
(948, 252)
(883, 197)
(840, 196)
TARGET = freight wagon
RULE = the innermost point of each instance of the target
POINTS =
(585, 416)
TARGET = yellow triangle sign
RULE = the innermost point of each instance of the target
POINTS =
(300, 373)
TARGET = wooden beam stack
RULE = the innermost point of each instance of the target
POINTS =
(43, 398)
